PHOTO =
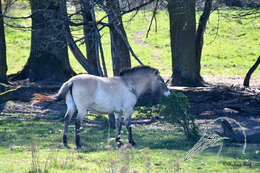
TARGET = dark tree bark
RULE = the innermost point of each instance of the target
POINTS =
(49, 54)
(185, 65)
(119, 50)
(250, 72)
(3, 65)
(90, 37)
(71, 43)
(201, 29)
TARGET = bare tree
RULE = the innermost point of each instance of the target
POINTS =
(3, 65)
(49, 54)
(119, 50)
(90, 38)
(120, 45)
(201, 29)
(70, 40)
(51, 25)
(185, 65)
(250, 72)
(186, 41)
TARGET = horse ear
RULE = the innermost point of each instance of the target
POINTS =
(156, 72)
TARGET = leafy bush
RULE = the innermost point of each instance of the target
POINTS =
(175, 110)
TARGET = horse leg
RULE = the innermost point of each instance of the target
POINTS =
(77, 133)
(70, 111)
(118, 129)
(78, 123)
(127, 121)
(129, 129)
(67, 119)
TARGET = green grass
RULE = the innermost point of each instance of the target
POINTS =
(229, 50)
(235, 48)
(25, 140)
(160, 148)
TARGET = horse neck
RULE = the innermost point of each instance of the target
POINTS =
(137, 84)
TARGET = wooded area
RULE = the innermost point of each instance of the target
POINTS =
(52, 25)
(82, 27)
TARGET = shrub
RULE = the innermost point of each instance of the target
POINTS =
(175, 110)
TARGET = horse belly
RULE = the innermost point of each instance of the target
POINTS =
(107, 104)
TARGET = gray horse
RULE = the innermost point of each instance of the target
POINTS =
(116, 95)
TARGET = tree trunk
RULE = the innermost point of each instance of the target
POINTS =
(49, 54)
(90, 37)
(71, 43)
(185, 65)
(201, 29)
(3, 65)
(119, 50)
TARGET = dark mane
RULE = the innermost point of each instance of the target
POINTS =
(145, 69)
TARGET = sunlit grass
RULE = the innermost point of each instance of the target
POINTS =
(231, 45)
(159, 149)
(229, 50)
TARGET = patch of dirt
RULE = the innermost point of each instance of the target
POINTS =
(229, 81)
(138, 40)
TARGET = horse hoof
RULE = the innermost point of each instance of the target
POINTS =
(132, 143)
(78, 147)
(119, 144)
(66, 146)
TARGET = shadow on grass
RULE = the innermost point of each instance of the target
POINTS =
(48, 134)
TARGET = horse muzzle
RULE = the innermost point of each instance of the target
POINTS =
(167, 93)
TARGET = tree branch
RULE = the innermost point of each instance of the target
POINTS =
(202, 27)
(250, 72)
(127, 44)
(153, 18)
(72, 45)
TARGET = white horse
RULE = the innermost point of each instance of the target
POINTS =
(116, 95)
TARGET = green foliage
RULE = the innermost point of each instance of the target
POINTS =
(175, 109)
(145, 111)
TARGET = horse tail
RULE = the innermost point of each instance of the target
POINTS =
(37, 98)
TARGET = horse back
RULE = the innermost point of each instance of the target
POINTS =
(102, 94)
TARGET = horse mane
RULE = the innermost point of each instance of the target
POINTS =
(144, 69)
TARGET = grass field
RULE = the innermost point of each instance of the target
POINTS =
(231, 45)
(32, 144)
(35, 145)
